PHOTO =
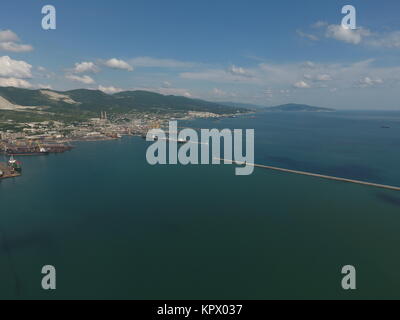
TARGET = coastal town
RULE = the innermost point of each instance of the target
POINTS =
(44, 121)
(101, 128)
(43, 138)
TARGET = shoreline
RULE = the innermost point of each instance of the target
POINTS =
(138, 132)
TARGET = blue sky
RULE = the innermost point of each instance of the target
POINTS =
(264, 52)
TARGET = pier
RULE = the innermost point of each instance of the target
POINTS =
(34, 149)
(183, 142)
(7, 171)
(316, 175)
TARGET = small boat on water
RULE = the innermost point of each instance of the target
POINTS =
(180, 140)
(153, 137)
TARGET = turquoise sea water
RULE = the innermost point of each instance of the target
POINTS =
(116, 227)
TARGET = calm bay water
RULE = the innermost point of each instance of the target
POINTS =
(116, 227)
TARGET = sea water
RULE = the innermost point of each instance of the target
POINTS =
(115, 227)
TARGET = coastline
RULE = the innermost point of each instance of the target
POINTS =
(107, 130)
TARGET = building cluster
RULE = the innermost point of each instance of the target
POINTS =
(101, 128)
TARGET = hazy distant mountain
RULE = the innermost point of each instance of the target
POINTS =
(292, 107)
(285, 107)
(242, 105)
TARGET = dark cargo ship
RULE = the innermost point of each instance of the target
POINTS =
(26, 151)
(12, 150)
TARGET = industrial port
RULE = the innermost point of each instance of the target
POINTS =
(13, 168)
(33, 148)
(10, 170)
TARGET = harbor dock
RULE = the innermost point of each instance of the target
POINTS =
(316, 175)
(33, 149)
(7, 172)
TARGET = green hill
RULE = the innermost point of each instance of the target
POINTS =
(83, 103)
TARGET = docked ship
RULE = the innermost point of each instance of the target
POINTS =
(26, 151)
(182, 141)
(14, 164)
(57, 148)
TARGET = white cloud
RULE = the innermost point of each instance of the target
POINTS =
(14, 82)
(14, 68)
(207, 75)
(232, 75)
(359, 36)
(8, 35)
(238, 71)
(356, 37)
(340, 33)
(9, 42)
(369, 82)
(118, 64)
(219, 92)
(388, 40)
(320, 24)
(323, 77)
(83, 79)
(302, 75)
(222, 93)
(167, 84)
(364, 36)
(301, 85)
(85, 67)
(11, 72)
(44, 73)
(160, 63)
(308, 65)
(15, 47)
(44, 86)
(268, 93)
(169, 91)
(307, 35)
(318, 77)
(110, 89)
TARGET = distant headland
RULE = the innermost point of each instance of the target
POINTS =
(292, 107)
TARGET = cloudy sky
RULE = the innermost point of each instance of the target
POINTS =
(255, 51)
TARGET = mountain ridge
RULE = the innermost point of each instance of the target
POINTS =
(283, 107)
(93, 101)
(294, 107)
